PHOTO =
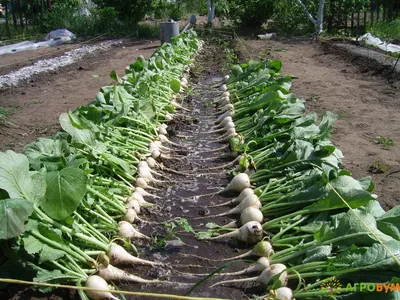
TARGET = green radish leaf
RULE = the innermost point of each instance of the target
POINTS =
(389, 229)
(139, 64)
(16, 179)
(375, 257)
(236, 70)
(320, 253)
(47, 153)
(143, 89)
(31, 244)
(79, 135)
(204, 234)
(374, 208)
(350, 223)
(114, 76)
(348, 188)
(212, 225)
(55, 276)
(46, 276)
(367, 183)
(119, 162)
(65, 190)
(13, 214)
(392, 216)
(185, 225)
(275, 65)
(50, 254)
(389, 222)
(175, 85)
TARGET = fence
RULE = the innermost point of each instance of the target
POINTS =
(355, 17)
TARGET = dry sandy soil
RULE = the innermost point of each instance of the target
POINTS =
(34, 107)
(366, 104)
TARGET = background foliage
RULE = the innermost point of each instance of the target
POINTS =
(35, 18)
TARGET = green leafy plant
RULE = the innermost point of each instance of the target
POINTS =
(378, 167)
(171, 228)
(386, 142)
(246, 13)
(386, 30)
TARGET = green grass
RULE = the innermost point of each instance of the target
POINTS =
(3, 113)
(388, 31)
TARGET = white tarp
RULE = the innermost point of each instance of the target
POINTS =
(54, 38)
(377, 42)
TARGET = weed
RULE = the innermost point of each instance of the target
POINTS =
(378, 167)
(3, 114)
(35, 101)
(313, 97)
(231, 58)
(208, 104)
(387, 30)
(386, 142)
(171, 230)
(191, 92)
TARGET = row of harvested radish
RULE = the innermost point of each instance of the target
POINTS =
(133, 204)
(248, 207)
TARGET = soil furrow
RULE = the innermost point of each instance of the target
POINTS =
(180, 197)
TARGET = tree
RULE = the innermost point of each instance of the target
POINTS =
(318, 22)
(246, 13)
(129, 10)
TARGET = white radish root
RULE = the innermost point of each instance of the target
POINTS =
(130, 215)
(273, 270)
(126, 230)
(251, 213)
(98, 283)
(228, 113)
(224, 122)
(282, 293)
(243, 194)
(143, 192)
(238, 183)
(138, 196)
(112, 273)
(251, 200)
(260, 265)
(133, 204)
(227, 126)
(261, 249)
(264, 278)
(250, 233)
(119, 256)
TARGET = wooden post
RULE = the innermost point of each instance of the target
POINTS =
(8, 31)
(330, 18)
(352, 21)
(21, 17)
(365, 18)
(371, 9)
(377, 11)
(14, 17)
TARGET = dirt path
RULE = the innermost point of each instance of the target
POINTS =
(194, 175)
(34, 107)
(367, 107)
